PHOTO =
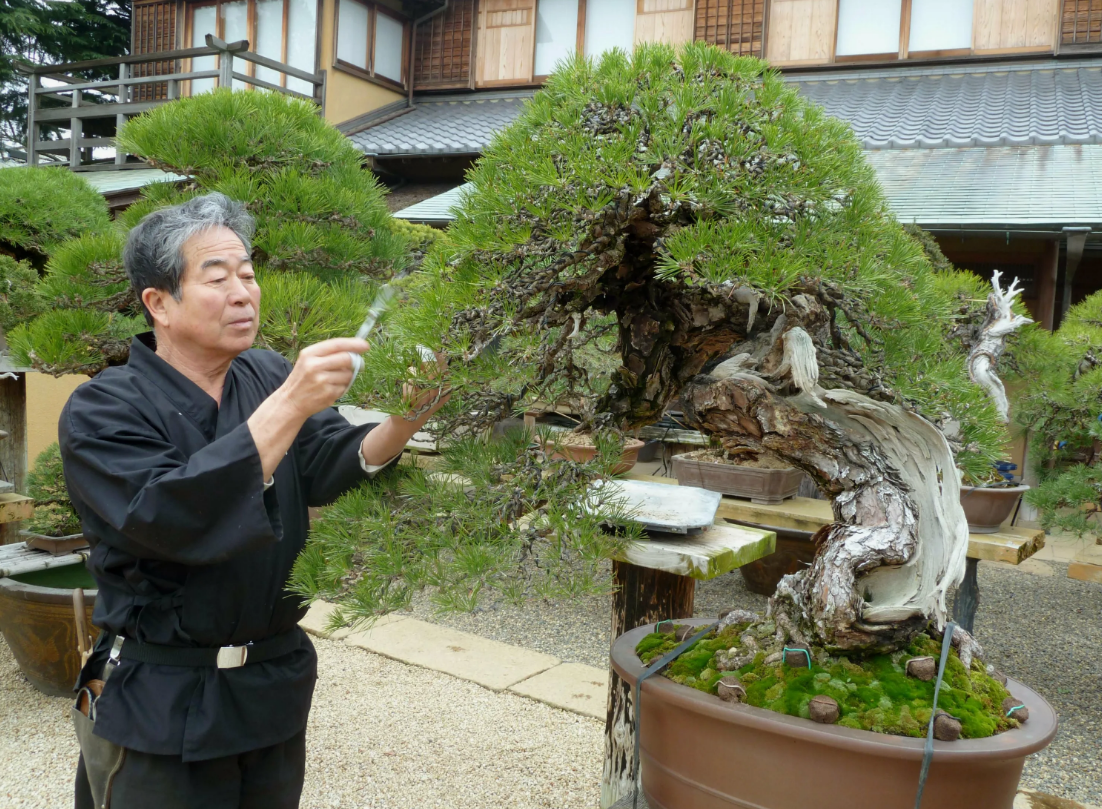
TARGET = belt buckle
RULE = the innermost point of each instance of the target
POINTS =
(232, 657)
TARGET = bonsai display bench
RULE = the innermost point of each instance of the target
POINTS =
(803, 515)
(655, 580)
(17, 559)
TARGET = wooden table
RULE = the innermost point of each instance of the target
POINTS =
(655, 580)
(804, 515)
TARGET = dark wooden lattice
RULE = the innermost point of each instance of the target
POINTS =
(154, 30)
(1081, 23)
(734, 25)
(442, 51)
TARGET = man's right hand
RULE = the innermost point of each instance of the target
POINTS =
(322, 374)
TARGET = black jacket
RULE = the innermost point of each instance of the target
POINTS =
(189, 549)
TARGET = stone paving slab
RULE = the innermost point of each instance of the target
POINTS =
(316, 621)
(570, 686)
(489, 663)
(1087, 565)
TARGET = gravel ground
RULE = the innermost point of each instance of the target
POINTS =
(382, 735)
(1043, 631)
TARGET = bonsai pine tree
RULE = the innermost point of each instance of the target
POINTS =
(321, 221)
(54, 515)
(1062, 407)
(40, 208)
(680, 223)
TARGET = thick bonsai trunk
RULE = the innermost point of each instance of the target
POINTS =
(899, 543)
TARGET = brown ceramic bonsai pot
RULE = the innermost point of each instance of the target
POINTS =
(699, 751)
(987, 508)
(765, 486)
(56, 546)
(583, 452)
(37, 623)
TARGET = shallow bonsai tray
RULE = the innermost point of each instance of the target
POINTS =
(55, 546)
(699, 751)
(764, 486)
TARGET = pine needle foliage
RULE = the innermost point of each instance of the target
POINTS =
(41, 207)
(687, 172)
(320, 216)
(54, 515)
(18, 301)
(1062, 407)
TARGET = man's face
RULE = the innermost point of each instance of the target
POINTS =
(219, 302)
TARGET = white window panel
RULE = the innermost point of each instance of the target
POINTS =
(302, 27)
(269, 37)
(868, 26)
(203, 22)
(389, 34)
(609, 24)
(235, 26)
(940, 25)
(556, 33)
(352, 33)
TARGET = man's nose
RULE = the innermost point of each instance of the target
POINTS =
(239, 293)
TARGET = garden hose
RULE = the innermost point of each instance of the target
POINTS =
(928, 753)
(655, 668)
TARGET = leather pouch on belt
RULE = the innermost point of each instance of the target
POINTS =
(102, 759)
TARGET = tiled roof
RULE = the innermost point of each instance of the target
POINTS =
(1044, 187)
(442, 125)
(110, 182)
(1008, 104)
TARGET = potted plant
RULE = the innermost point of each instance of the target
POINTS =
(748, 474)
(55, 526)
(583, 447)
(990, 501)
(683, 209)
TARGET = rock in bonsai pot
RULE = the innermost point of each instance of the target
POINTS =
(761, 479)
(580, 447)
(988, 507)
(688, 738)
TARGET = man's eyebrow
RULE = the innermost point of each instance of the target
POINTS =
(214, 262)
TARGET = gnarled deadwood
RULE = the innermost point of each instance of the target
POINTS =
(983, 361)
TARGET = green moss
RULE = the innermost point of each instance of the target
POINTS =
(873, 693)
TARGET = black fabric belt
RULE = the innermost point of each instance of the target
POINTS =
(226, 657)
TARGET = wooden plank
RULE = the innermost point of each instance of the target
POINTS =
(716, 550)
(506, 41)
(803, 514)
(668, 21)
(1087, 565)
(1009, 26)
(801, 31)
(15, 507)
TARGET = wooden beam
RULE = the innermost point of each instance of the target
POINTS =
(15, 507)
(1077, 240)
(1046, 285)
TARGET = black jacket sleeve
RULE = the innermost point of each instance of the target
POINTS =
(156, 502)
(330, 456)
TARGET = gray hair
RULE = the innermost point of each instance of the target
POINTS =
(154, 252)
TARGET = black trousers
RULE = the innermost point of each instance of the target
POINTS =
(268, 778)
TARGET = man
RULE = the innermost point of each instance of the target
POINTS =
(192, 468)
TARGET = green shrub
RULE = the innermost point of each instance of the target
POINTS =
(41, 207)
(18, 301)
(54, 515)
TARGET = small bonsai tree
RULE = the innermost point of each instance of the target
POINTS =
(680, 224)
(40, 208)
(321, 221)
(54, 515)
(1062, 407)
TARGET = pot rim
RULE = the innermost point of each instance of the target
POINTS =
(7, 583)
(683, 457)
(1034, 735)
(629, 444)
(1021, 488)
(35, 535)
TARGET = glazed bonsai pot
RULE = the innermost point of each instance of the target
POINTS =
(36, 619)
(765, 486)
(587, 452)
(987, 508)
(698, 751)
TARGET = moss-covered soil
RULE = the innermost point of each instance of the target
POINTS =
(873, 693)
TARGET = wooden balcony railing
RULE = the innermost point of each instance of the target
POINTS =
(116, 98)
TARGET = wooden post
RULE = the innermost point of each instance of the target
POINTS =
(123, 97)
(13, 449)
(225, 68)
(76, 130)
(643, 596)
(1046, 285)
(32, 125)
(1077, 240)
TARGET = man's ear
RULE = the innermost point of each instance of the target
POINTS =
(156, 301)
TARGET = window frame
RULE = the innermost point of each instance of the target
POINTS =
(903, 53)
(373, 9)
(579, 39)
(251, 12)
